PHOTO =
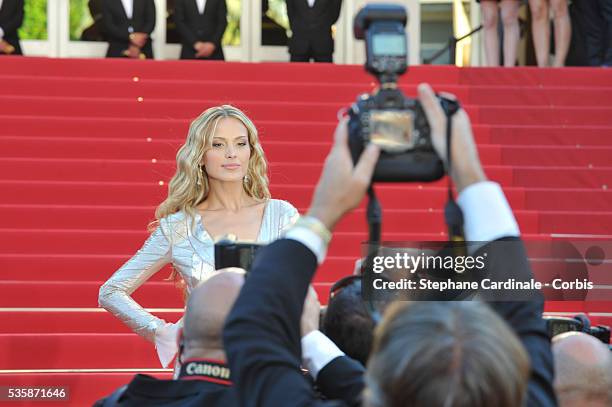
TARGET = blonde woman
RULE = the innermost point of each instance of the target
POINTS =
(220, 187)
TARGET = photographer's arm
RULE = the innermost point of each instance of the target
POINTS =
(262, 332)
(488, 217)
(337, 376)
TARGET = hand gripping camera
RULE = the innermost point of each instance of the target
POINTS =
(396, 123)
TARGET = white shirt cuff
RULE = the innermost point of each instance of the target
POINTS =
(317, 351)
(1, 33)
(487, 215)
(309, 239)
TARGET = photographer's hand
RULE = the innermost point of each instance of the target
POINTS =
(466, 168)
(342, 186)
(310, 313)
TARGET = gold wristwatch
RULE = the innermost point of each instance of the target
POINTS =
(316, 226)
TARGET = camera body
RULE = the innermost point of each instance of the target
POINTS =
(396, 123)
(580, 323)
(231, 253)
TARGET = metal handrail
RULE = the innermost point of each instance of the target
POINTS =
(452, 47)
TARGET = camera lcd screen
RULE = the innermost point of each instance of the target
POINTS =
(389, 44)
(392, 131)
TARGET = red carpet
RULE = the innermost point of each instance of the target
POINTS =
(86, 152)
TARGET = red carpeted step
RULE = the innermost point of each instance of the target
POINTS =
(392, 196)
(84, 387)
(70, 320)
(240, 90)
(523, 76)
(164, 128)
(597, 116)
(154, 108)
(51, 147)
(533, 76)
(557, 135)
(575, 307)
(75, 268)
(84, 294)
(563, 177)
(84, 267)
(128, 242)
(259, 72)
(146, 170)
(39, 294)
(281, 173)
(234, 91)
(399, 196)
(133, 218)
(567, 199)
(64, 267)
(572, 156)
(166, 149)
(288, 91)
(572, 222)
(76, 351)
(91, 242)
(125, 242)
(81, 294)
(534, 96)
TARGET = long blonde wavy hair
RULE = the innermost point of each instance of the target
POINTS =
(189, 186)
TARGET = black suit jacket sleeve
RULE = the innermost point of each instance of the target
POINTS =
(342, 379)
(525, 318)
(221, 22)
(335, 8)
(12, 24)
(149, 21)
(290, 12)
(262, 332)
(115, 29)
(187, 34)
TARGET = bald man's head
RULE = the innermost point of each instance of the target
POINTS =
(208, 306)
(583, 370)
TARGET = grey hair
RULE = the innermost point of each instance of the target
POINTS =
(446, 354)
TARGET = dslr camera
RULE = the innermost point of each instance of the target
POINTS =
(387, 118)
(229, 252)
(580, 323)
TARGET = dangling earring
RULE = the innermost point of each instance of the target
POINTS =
(245, 179)
(199, 176)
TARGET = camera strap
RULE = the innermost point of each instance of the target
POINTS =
(374, 216)
(453, 216)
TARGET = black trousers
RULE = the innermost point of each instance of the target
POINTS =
(187, 52)
(309, 56)
(597, 26)
(306, 53)
(115, 49)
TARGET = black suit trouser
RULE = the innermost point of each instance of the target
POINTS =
(597, 25)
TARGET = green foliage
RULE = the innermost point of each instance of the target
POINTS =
(232, 32)
(277, 11)
(34, 25)
(80, 18)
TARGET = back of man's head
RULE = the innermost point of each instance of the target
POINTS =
(583, 370)
(348, 323)
(207, 308)
(429, 354)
